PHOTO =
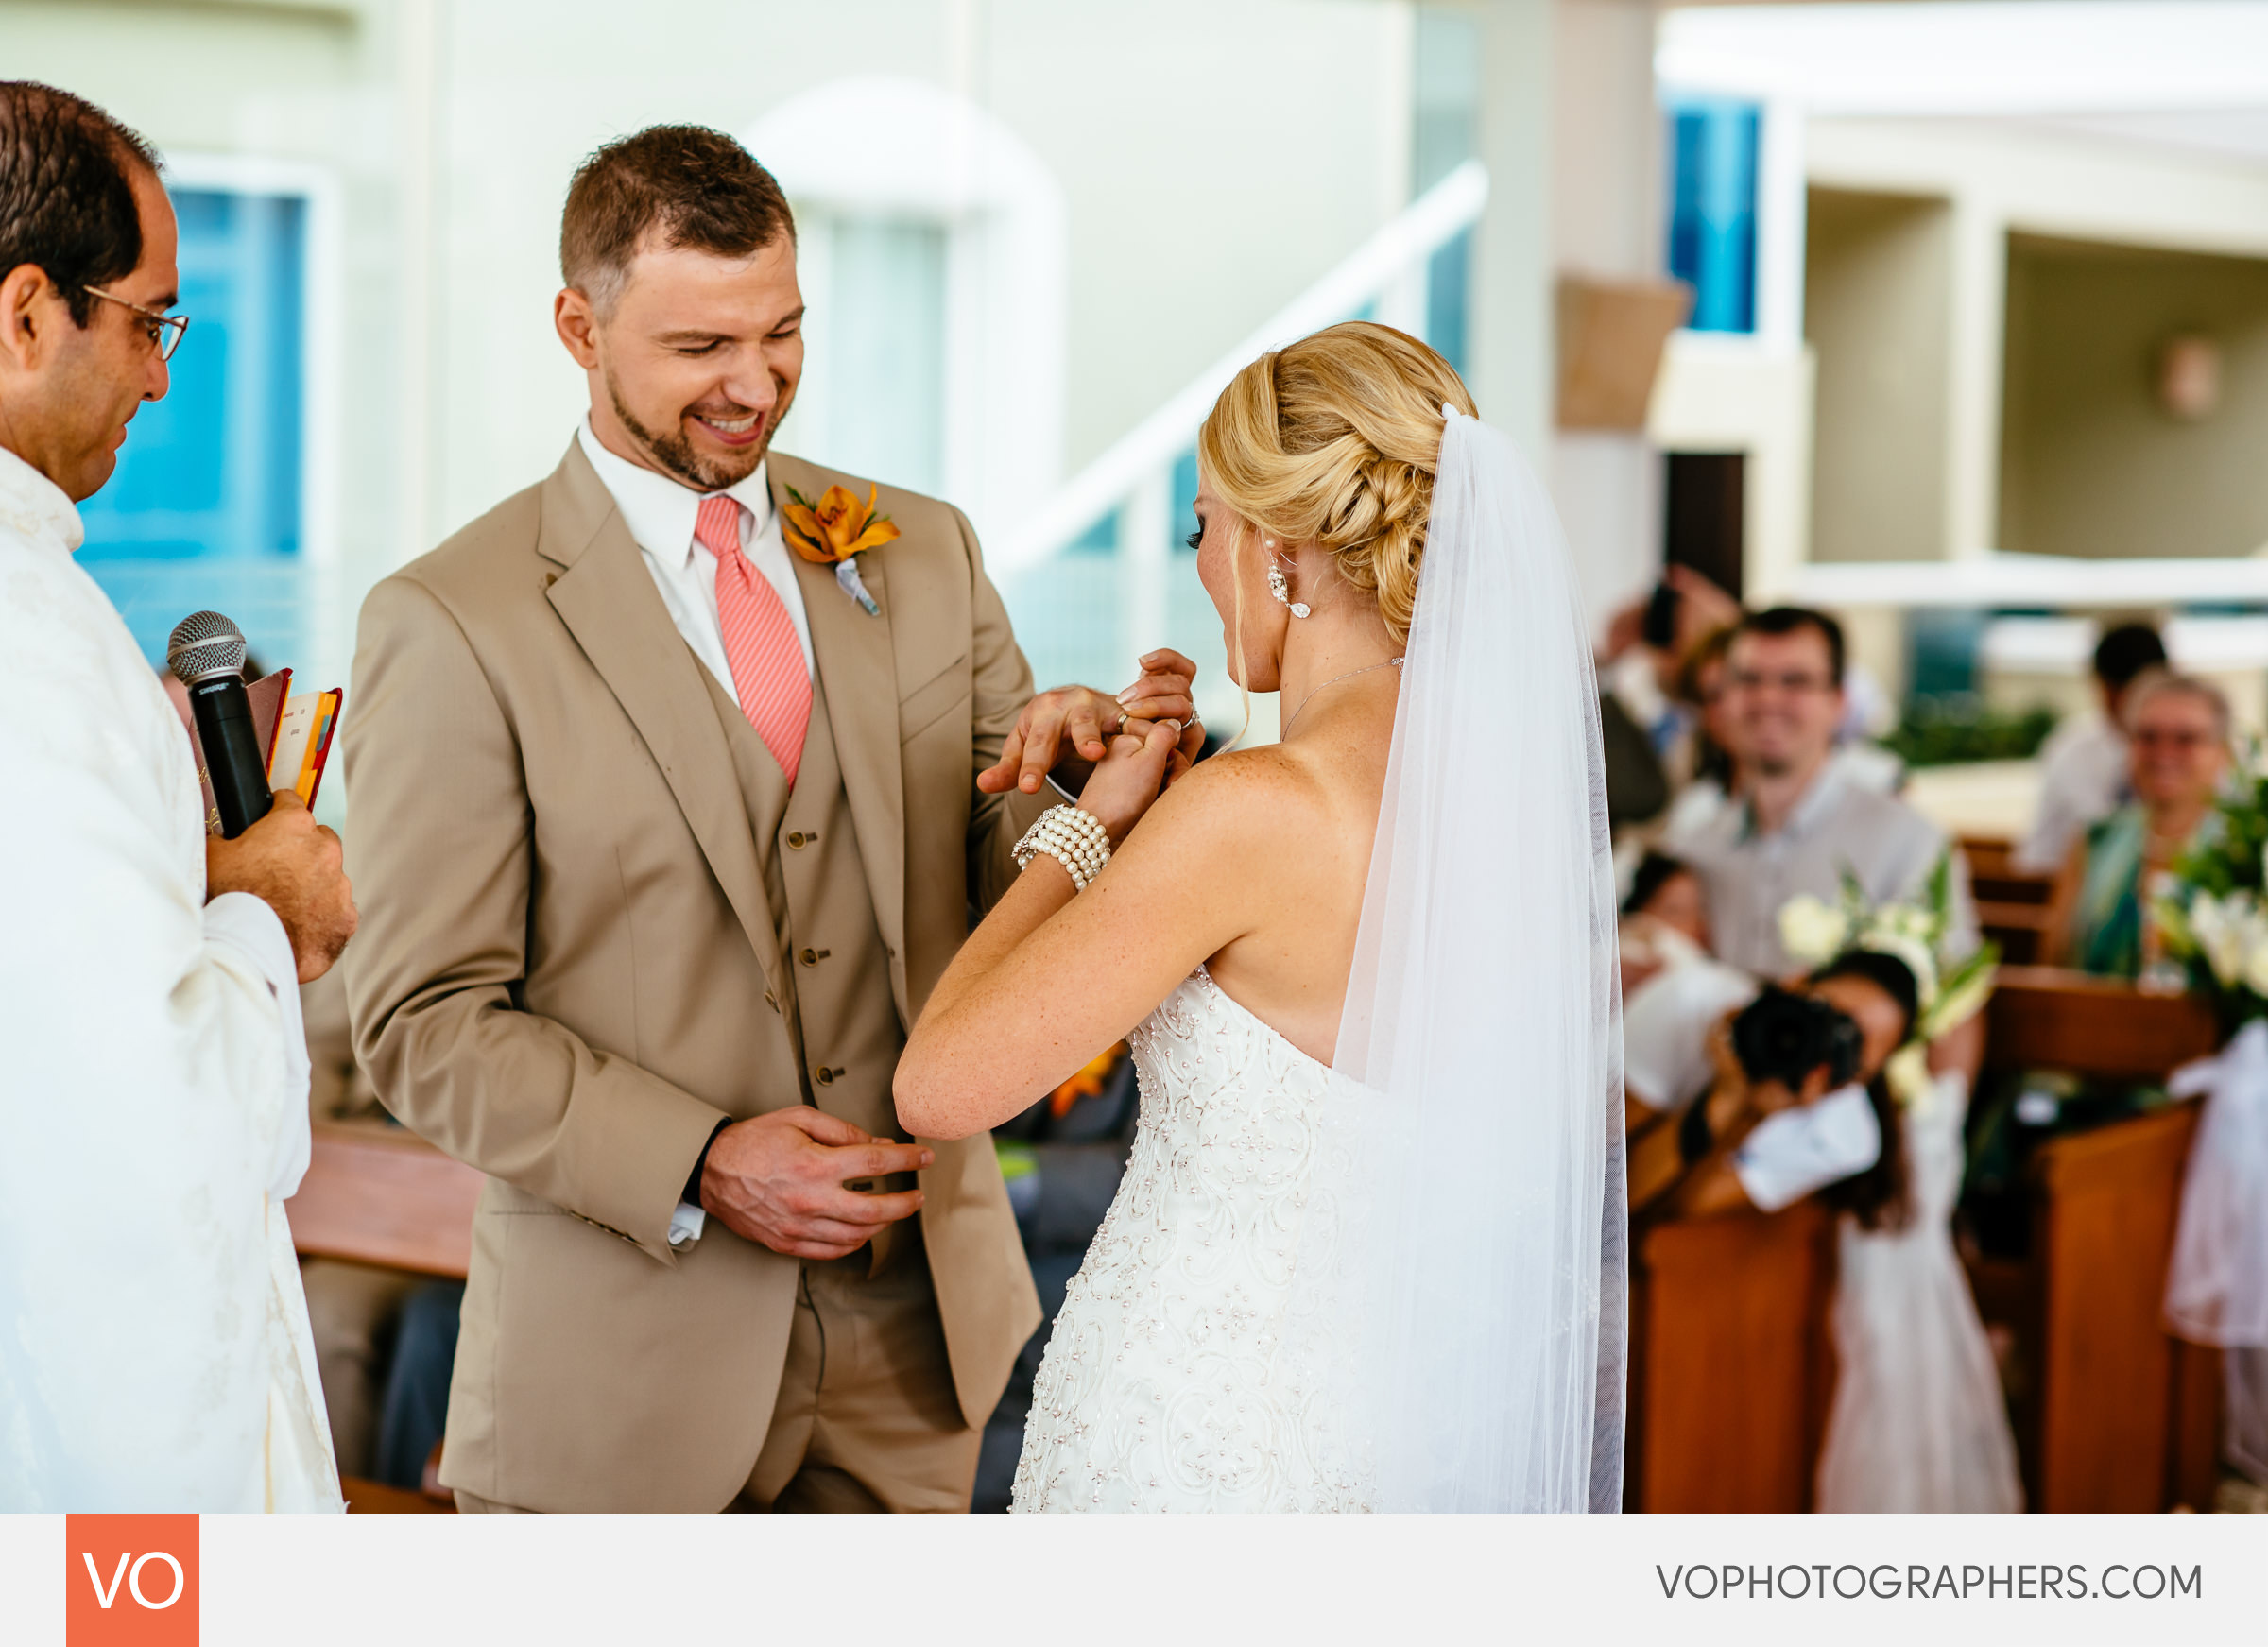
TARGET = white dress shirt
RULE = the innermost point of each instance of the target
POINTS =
(2084, 778)
(1794, 1152)
(660, 514)
(155, 1354)
(1839, 824)
(1666, 1022)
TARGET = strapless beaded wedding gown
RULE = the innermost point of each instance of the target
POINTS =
(1176, 1378)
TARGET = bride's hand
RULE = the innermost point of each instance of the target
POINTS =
(1130, 777)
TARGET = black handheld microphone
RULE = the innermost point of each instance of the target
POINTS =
(206, 654)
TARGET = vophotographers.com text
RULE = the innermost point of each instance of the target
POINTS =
(1887, 1580)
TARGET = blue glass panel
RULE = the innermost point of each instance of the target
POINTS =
(1066, 614)
(1942, 645)
(1713, 209)
(1099, 539)
(1183, 520)
(1448, 299)
(204, 508)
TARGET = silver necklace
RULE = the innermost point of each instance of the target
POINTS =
(1365, 669)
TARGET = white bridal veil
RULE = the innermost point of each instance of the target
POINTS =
(1473, 1265)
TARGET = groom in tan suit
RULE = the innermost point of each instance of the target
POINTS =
(664, 828)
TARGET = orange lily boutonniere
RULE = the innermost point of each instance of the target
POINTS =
(832, 531)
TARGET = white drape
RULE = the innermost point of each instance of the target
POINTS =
(154, 1350)
(2217, 1286)
(1469, 1258)
(1918, 1422)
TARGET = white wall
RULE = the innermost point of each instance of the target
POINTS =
(1196, 199)
(1607, 221)
(2004, 177)
(1877, 311)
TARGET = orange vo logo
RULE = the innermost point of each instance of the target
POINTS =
(130, 1581)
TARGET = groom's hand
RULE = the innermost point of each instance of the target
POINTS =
(779, 1181)
(1066, 731)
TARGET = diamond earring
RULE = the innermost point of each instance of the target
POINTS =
(1281, 587)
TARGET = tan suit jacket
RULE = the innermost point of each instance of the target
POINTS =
(569, 967)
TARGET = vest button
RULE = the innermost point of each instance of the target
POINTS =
(798, 840)
(812, 957)
(823, 1075)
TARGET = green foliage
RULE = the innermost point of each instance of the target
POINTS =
(2211, 908)
(1959, 728)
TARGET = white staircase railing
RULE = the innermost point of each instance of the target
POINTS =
(1134, 477)
(1388, 267)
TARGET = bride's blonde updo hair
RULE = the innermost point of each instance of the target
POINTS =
(1334, 440)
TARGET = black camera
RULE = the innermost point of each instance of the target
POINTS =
(1783, 1036)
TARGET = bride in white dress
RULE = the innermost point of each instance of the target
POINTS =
(1369, 1251)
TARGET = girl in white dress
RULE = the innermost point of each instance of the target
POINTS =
(1368, 1252)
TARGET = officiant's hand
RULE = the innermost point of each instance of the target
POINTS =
(1064, 730)
(777, 1180)
(294, 865)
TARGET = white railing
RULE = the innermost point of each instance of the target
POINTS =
(1134, 477)
(2055, 582)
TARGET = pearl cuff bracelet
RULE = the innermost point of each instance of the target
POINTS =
(1074, 838)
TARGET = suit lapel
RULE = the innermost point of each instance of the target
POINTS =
(607, 599)
(858, 667)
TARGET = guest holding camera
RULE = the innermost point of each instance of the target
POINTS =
(1796, 1101)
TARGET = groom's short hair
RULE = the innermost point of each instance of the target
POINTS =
(687, 185)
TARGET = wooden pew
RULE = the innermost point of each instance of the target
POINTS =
(2111, 1410)
(2016, 908)
(2024, 929)
(379, 1196)
(1731, 1364)
(1988, 855)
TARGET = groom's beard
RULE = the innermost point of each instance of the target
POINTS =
(675, 453)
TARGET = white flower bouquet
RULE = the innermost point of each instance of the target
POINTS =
(2211, 908)
(1950, 992)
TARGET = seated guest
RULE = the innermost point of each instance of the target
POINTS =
(1674, 991)
(2179, 727)
(1649, 648)
(1705, 765)
(2084, 773)
(1664, 920)
(1803, 818)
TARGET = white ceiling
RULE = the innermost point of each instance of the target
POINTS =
(2192, 73)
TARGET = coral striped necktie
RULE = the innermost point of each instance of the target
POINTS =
(766, 659)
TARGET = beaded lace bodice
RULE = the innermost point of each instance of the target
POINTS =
(1171, 1383)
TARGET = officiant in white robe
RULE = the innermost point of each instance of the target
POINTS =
(154, 1344)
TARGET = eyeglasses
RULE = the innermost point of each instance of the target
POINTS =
(2156, 738)
(165, 331)
(1755, 679)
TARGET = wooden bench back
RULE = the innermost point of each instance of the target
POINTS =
(1730, 1368)
(2113, 1408)
(2045, 1017)
(380, 1196)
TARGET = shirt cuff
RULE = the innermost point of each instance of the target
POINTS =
(1789, 1155)
(686, 1223)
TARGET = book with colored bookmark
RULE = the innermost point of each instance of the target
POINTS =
(295, 730)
